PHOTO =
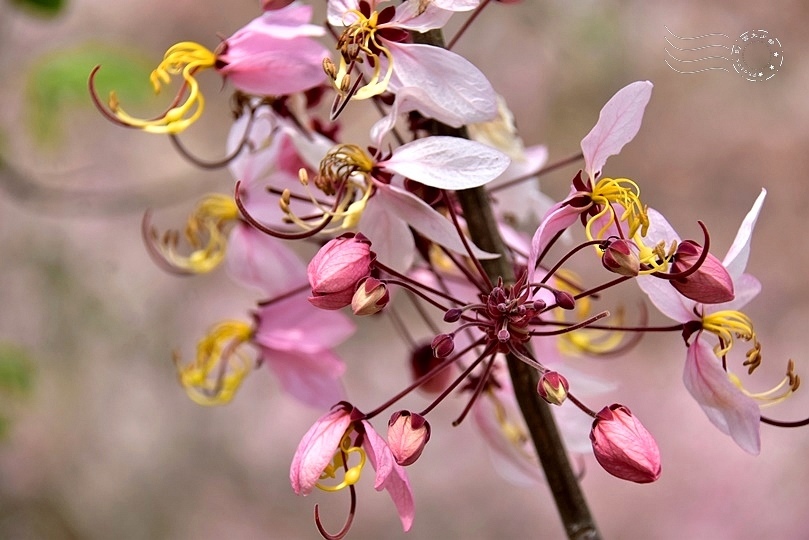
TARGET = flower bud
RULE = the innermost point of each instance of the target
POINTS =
(407, 434)
(443, 345)
(552, 387)
(336, 269)
(370, 297)
(619, 258)
(453, 315)
(623, 446)
(564, 299)
(709, 284)
(422, 362)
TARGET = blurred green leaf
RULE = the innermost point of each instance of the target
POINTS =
(58, 82)
(48, 8)
(16, 371)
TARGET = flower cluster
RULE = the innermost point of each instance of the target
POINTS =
(388, 218)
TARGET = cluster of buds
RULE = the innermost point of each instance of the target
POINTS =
(298, 179)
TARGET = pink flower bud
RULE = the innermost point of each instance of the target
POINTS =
(408, 433)
(709, 284)
(623, 446)
(619, 258)
(422, 362)
(443, 345)
(564, 299)
(370, 297)
(337, 268)
(553, 387)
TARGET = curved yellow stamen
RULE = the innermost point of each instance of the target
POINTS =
(205, 232)
(624, 192)
(220, 365)
(729, 324)
(186, 58)
(345, 171)
(513, 432)
(351, 475)
(360, 38)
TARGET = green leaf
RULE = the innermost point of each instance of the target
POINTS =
(16, 370)
(49, 8)
(58, 83)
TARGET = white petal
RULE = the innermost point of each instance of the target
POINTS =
(447, 162)
(618, 123)
(736, 259)
(425, 220)
(447, 79)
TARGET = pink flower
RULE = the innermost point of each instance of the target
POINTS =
(336, 270)
(275, 54)
(442, 84)
(296, 341)
(728, 406)
(332, 441)
(624, 447)
(618, 123)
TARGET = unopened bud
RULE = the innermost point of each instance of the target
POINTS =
(337, 268)
(624, 447)
(408, 433)
(564, 299)
(452, 315)
(553, 387)
(443, 345)
(619, 258)
(370, 297)
(709, 284)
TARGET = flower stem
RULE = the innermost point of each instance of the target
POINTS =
(564, 485)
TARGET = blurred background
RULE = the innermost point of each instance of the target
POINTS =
(97, 440)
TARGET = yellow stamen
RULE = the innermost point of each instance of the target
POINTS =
(624, 192)
(351, 475)
(345, 171)
(360, 39)
(184, 58)
(729, 324)
(220, 365)
(205, 232)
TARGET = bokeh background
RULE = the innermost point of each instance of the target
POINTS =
(100, 442)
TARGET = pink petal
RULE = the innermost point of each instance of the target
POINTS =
(447, 162)
(389, 475)
(420, 16)
(424, 219)
(736, 259)
(667, 299)
(257, 260)
(391, 237)
(726, 406)
(265, 65)
(294, 325)
(286, 23)
(338, 12)
(316, 449)
(618, 123)
(558, 218)
(312, 378)
(448, 80)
